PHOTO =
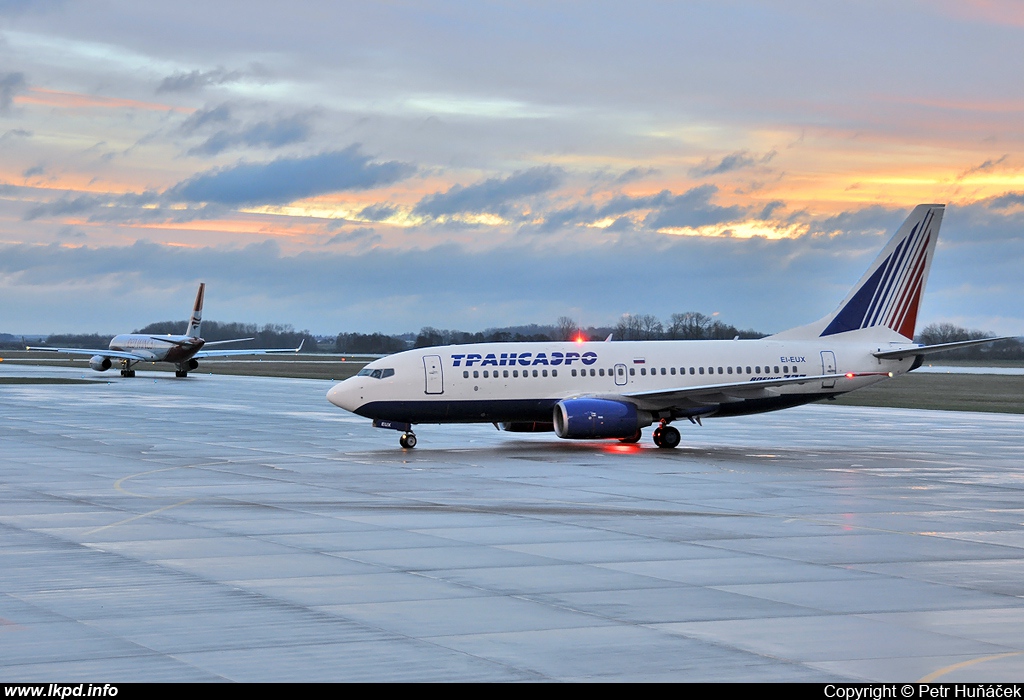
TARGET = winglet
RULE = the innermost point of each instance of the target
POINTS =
(197, 313)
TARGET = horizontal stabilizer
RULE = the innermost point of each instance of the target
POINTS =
(917, 350)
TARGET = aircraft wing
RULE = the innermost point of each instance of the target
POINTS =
(915, 350)
(729, 392)
(103, 353)
(262, 351)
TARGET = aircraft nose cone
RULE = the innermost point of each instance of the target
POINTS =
(342, 396)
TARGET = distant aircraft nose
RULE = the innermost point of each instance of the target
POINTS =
(345, 395)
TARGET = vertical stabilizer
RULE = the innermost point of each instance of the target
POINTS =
(197, 313)
(889, 293)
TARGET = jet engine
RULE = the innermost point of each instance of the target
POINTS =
(583, 419)
(192, 364)
(99, 363)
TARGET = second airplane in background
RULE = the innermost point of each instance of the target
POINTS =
(182, 350)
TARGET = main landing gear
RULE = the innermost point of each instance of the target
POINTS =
(180, 373)
(666, 436)
(408, 440)
(126, 369)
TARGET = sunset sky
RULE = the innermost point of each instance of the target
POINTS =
(392, 165)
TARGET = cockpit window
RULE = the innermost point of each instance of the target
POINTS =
(376, 373)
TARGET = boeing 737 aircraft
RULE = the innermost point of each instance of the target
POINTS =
(615, 390)
(131, 348)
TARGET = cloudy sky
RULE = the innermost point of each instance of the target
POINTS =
(389, 165)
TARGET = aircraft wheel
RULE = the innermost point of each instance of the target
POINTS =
(633, 438)
(669, 437)
(180, 373)
(657, 436)
(408, 441)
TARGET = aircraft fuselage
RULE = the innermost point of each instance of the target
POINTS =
(505, 382)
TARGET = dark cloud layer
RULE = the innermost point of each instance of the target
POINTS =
(288, 179)
(759, 283)
(493, 195)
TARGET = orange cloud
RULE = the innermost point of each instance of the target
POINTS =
(75, 100)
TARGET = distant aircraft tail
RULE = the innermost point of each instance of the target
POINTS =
(889, 293)
(196, 319)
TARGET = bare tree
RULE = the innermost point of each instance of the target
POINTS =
(566, 328)
(691, 325)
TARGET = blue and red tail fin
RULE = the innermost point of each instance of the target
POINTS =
(889, 293)
(196, 319)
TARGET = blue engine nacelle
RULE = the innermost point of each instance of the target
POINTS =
(584, 419)
(99, 363)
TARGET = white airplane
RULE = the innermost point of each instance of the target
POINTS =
(614, 390)
(182, 350)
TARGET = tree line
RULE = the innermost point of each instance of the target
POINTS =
(690, 325)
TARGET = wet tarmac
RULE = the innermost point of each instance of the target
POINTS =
(243, 529)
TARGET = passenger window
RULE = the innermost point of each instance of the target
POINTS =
(730, 370)
(476, 374)
(504, 373)
(485, 374)
(663, 371)
(465, 374)
(554, 373)
(702, 370)
(776, 369)
(593, 372)
(601, 371)
(748, 370)
(672, 371)
(515, 373)
(574, 373)
(621, 372)
(691, 370)
(757, 370)
(544, 373)
(643, 371)
(632, 371)
(535, 373)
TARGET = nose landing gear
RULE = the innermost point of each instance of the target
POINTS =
(408, 440)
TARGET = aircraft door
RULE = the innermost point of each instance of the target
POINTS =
(620, 375)
(828, 366)
(433, 374)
